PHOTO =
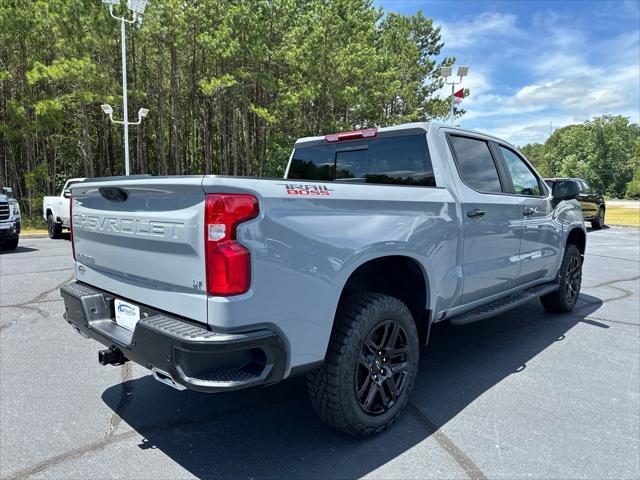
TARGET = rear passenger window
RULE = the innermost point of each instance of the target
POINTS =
(476, 164)
(400, 160)
(312, 164)
(523, 179)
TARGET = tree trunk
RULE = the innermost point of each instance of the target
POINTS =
(234, 145)
(247, 146)
(87, 157)
(174, 107)
(207, 137)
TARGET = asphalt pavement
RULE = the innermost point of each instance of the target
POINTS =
(522, 395)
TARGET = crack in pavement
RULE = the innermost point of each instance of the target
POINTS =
(470, 468)
(118, 437)
(39, 271)
(18, 305)
(619, 322)
(29, 304)
(46, 256)
(47, 292)
(615, 258)
(63, 457)
(40, 297)
(613, 282)
(40, 311)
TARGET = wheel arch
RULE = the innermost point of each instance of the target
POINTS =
(578, 238)
(399, 276)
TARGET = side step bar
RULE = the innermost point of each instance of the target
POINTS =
(504, 304)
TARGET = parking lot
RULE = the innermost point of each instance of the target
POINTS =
(524, 394)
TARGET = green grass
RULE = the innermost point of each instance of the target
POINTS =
(619, 215)
(32, 225)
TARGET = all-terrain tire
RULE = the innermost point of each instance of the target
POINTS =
(361, 321)
(53, 228)
(565, 298)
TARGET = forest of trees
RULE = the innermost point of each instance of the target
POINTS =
(229, 85)
(604, 151)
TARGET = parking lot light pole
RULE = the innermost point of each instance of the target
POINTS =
(137, 7)
(447, 72)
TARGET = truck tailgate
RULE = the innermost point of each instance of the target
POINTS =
(143, 240)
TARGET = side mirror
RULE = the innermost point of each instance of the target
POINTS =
(66, 193)
(565, 190)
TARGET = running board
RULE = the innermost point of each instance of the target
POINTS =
(504, 304)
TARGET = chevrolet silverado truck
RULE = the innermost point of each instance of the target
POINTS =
(9, 220)
(336, 271)
(56, 209)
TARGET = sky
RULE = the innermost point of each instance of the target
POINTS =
(537, 63)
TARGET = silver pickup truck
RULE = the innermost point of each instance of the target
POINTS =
(337, 271)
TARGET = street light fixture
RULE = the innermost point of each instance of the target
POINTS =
(143, 112)
(136, 7)
(447, 72)
(107, 109)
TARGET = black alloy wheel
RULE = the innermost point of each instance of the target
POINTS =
(381, 374)
(573, 280)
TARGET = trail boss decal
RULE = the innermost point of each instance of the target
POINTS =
(307, 190)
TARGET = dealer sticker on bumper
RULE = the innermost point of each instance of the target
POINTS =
(127, 314)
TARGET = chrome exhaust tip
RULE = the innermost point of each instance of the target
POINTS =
(164, 377)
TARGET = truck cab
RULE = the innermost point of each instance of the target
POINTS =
(56, 209)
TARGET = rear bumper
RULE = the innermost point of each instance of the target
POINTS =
(181, 354)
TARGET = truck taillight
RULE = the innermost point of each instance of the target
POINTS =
(73, 243)
(228, 263)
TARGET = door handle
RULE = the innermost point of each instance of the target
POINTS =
(475, 213)
(529, 211)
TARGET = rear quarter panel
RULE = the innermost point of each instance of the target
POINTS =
(569, 215)
(304, 248)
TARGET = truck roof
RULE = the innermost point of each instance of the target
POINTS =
(399, 129)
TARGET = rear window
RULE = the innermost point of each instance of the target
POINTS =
(476, 164)
(401, 160)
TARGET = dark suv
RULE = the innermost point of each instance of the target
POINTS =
(592, 202)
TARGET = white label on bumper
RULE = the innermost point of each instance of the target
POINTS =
(127, 314)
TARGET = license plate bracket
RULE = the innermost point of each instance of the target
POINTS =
(127, 314)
